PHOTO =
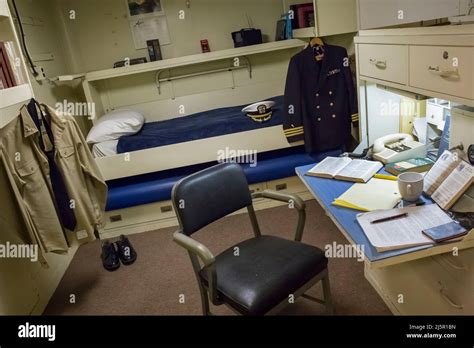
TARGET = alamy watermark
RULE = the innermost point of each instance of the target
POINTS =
(77, 109)
(344, 251)
(241, 156)
(19, 251)
(396, 108)
(37, 331)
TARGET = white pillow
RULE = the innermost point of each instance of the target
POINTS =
(114, 125)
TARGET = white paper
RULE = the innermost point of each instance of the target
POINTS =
(152, 28)
(451, 188)
(420, 129)
(402, 232)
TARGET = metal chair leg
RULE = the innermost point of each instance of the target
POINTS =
(204, 301)
(202, 290)
(327, 295)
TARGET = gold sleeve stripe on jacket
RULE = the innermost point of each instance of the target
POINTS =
(293, 128)
(295, 132)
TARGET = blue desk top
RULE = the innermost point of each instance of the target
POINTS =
(326, 191)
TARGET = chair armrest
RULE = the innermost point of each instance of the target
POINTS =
(199, 249)
(194, 247)
(299, 204)
(282, 197)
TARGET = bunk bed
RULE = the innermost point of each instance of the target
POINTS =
(202, 125)
(147, 165)
(142, 202)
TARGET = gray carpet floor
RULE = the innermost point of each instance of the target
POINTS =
(162, 274)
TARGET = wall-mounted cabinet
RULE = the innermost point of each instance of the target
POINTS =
(416, 62)
(378, 14)
(436, 61)
(23, 91)
(332, 17)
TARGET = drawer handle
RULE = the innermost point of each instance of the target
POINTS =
(115, 218)
(447, 299)
(453, 265)
(281, 187)
(444, 73)
(166, 209)
(381, 64)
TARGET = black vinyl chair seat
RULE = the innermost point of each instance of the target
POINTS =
(266, 271)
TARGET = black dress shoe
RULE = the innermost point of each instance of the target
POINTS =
(126, 252)
(110, 257)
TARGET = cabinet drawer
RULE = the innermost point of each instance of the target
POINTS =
(456, 296)
(434, 114)
(425, 287)
(139, 215)
(446, 70)
(289, 185)
(384, 62)
(461, 267)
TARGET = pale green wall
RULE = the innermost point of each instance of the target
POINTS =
(101, 34)
(44, 34)
(26, 287)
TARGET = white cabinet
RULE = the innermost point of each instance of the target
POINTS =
(385, 13)
(13, 95)
(332, 17)
(433, 61)
(438, 285)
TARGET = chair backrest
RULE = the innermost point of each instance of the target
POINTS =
(209, 195)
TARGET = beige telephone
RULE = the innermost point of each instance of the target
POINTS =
(397, 147)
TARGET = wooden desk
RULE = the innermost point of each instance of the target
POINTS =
(421, 280)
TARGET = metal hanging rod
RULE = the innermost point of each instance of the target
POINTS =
(159, 80)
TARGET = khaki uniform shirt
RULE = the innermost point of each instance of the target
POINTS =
(28, 172)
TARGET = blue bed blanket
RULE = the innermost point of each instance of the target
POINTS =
(202, 125)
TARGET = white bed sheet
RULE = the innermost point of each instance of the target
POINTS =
(104, 149)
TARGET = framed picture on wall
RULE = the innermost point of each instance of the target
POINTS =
(144, 8)
(147, 22)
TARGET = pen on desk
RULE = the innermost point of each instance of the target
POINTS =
(389, 218)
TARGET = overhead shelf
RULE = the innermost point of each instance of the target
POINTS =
(14, 95)
(304, 33)
(4, 9)
(194, 59)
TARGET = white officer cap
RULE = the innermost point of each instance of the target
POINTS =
(260, 112)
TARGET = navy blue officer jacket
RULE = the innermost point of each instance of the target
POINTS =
(320, 99)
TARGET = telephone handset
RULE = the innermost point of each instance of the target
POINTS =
(397, 147)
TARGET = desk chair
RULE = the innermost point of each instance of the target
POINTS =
(269, 271)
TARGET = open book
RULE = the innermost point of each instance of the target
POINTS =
(344, 168)
(449, 178)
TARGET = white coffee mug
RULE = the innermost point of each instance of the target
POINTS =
(410, 186)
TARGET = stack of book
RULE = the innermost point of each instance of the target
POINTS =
(303, 16)
(11, 72)
(414, 165)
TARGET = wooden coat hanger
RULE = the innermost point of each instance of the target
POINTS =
(317, 44)
(316, 41)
